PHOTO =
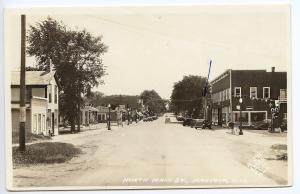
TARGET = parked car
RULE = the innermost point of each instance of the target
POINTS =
(206, 124)
(199, 123)
(194, 121)
(187, 122)
(146, 119)
(179, 118)
(261, 126)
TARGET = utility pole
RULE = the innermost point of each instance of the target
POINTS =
(22, 86)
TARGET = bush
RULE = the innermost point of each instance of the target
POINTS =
(46, 152)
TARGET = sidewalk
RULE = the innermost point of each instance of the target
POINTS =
(91, 130)
(62, 130)
(66, 135)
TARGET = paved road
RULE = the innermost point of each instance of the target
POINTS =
(159, 154)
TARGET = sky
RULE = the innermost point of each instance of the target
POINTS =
(154, 47)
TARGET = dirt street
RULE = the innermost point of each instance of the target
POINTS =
(159, 154)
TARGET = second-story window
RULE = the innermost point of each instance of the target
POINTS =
(50, 94)
(50, 97)
(283, 94)
(266, 92)
(237, 91)
(253, 92)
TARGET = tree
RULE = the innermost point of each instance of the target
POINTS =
(94, 98)
(99, 99)
(187, 95)
(30, 68)
(76, 56)
(154, 102)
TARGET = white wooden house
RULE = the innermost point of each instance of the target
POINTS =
(41, 102)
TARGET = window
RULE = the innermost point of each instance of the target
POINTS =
(228, 94)
(266, 92)
(50, 94)
(222, 96)
(43, 122)
(55, 94)
(237, 91)
(283, 94)
(28, 94)
(253, 92)
(39, 123)
(50, 97)
(34, 122)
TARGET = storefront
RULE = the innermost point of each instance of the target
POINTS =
(250, 118)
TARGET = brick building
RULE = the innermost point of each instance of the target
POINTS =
(257, 88)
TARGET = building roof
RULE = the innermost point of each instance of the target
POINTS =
(103, 109)
(90, 108)
(33, 77)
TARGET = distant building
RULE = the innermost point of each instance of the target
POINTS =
(41, 102)
(89, 115)
(102, 114)
(141, 106)
(257, 88)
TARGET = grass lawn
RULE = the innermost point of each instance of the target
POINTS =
(45, 153)
(29, 137)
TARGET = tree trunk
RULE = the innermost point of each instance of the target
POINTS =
(78, 118)
(72, 125)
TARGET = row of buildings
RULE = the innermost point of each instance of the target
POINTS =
(254, 92)
(42, 104)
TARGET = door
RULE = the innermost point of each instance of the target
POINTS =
(52, 120)
(220, 116)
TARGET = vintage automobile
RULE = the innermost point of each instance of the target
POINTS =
(194, 121)
(200, 123)
(187, 122)
(179, 118)
(206, 124)
(261, 126)
(148, 118)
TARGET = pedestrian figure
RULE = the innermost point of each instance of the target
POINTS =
(119, 118)
(234, 130)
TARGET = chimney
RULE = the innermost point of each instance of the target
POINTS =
(51, 67)
(273, 69)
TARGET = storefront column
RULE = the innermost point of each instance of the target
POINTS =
(249, 118)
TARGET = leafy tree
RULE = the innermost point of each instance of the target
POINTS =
(30, 68)
(154, 102)
(187, 95)
(76, 56)
(99, 99)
